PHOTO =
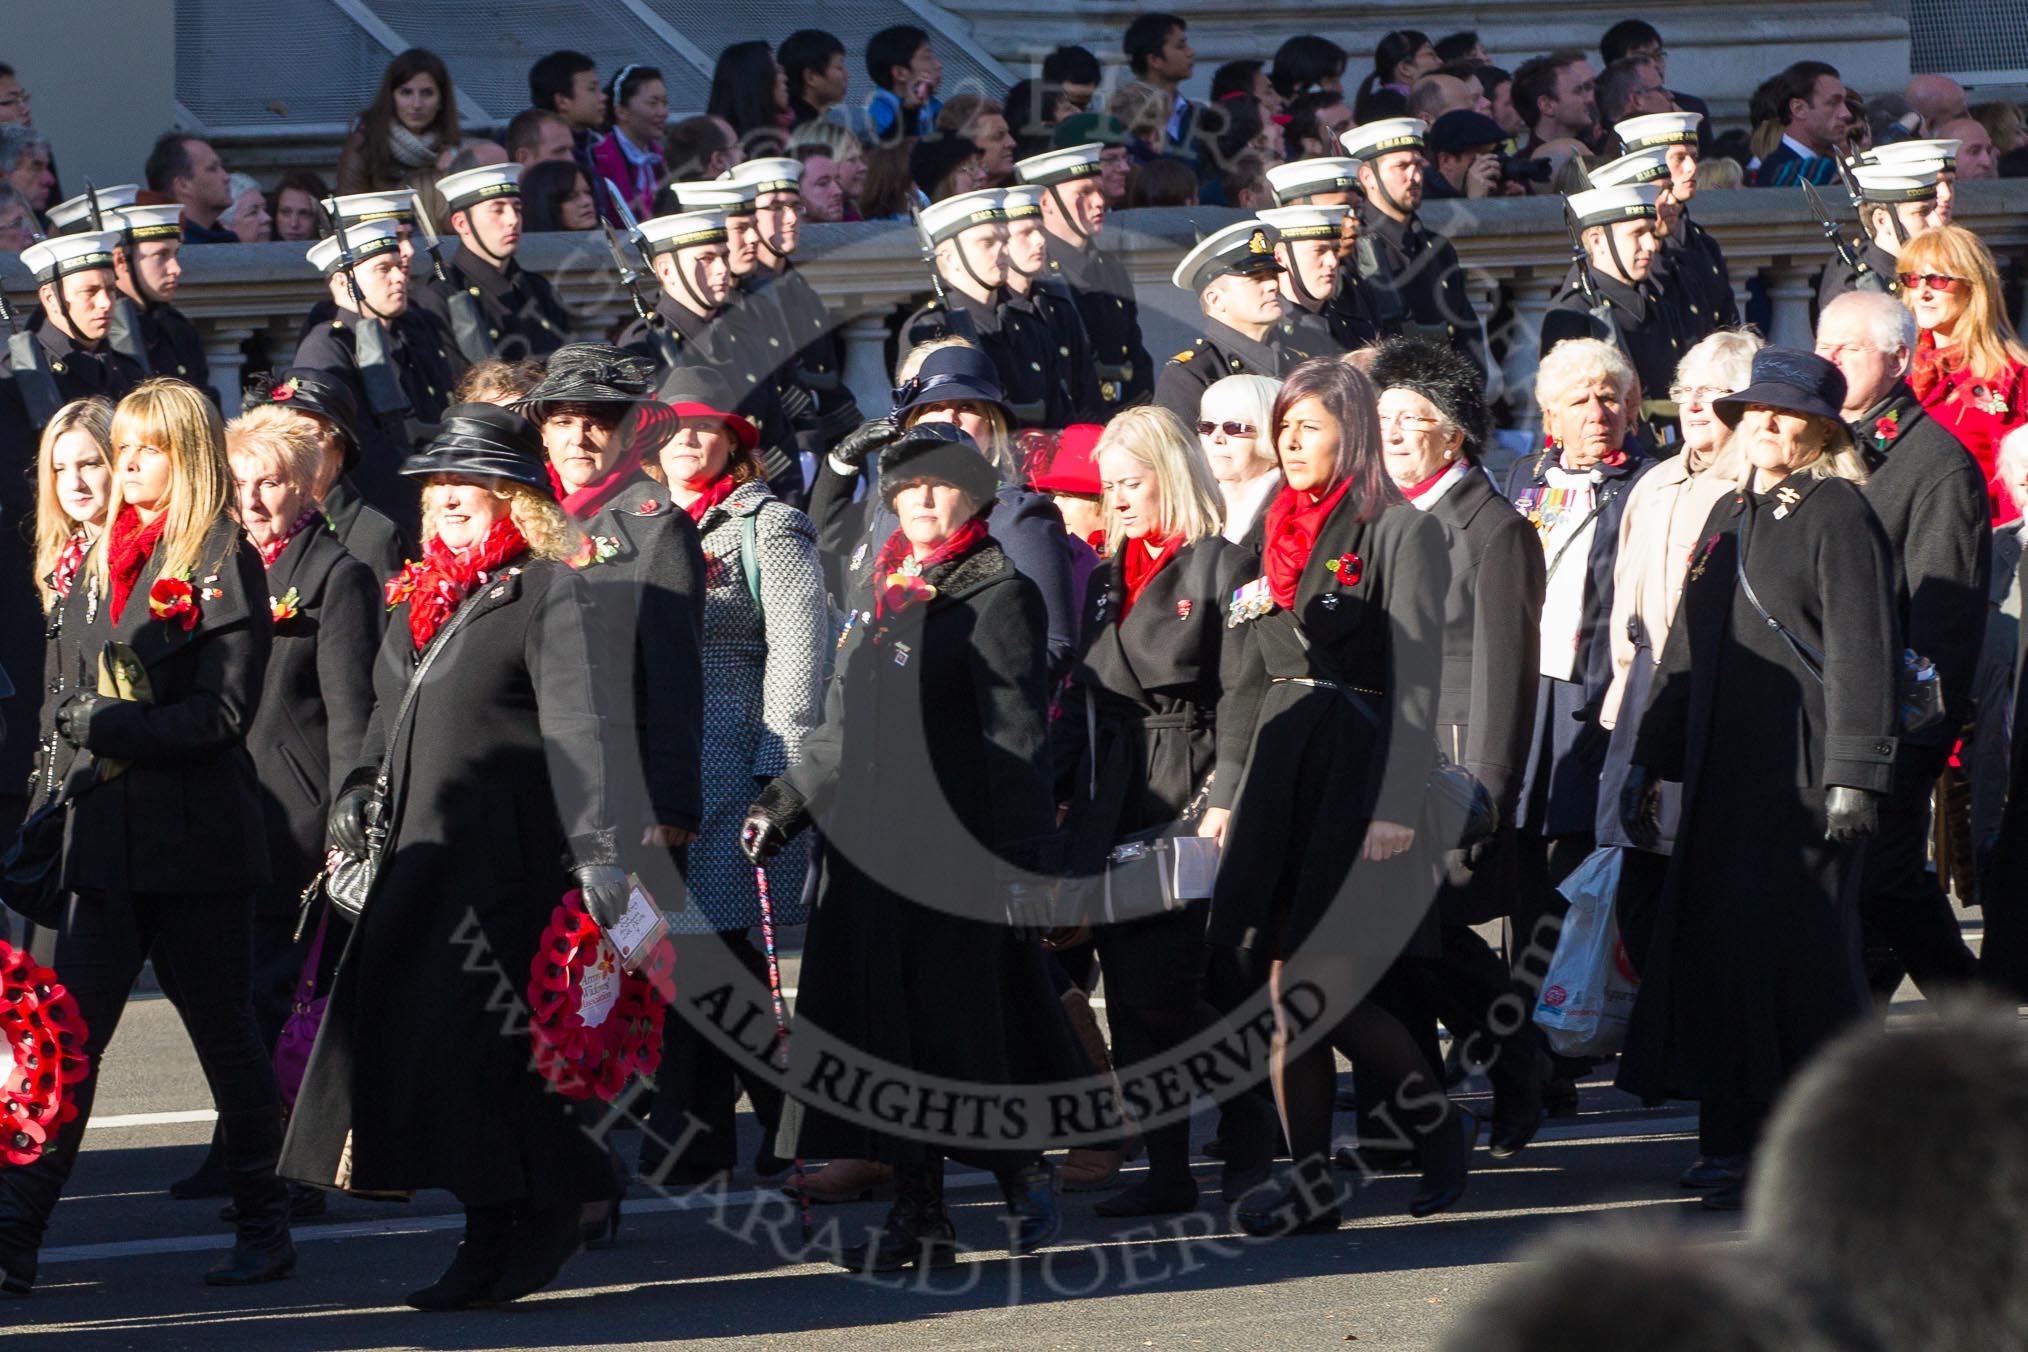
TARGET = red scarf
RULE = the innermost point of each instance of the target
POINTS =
(584, 504)
(1933, 364)
(894, 589)
(68, 560)
(1138, 565)
(128, 551)
(721, 489)
(1414, 491)
(436, 586)
(272, 550)
(1292, 525)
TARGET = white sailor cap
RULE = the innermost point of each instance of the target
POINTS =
(771, 174)
(954, 215)
(684, 230)
(85, 251)
(1371, 140)
(1022, 203)
(76, 214)
(1306, 178)
(1943, 148)
(470, 187)
(361, 208)
(1624, 202)
(364, 240)
(1639, 166)
(1061, 166)
(1306, 222)
(1658, 129)
(1242, 247)
(143, 224)
(731, 199)
(1913, 181)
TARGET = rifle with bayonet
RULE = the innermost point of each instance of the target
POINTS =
(28, 368)
(468, 326)
(668, 351)
(123, 329)
(1866, 277)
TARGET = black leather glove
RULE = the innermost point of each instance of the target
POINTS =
(772, 822)
(1641, 807)
(865, 440)
(1030, 908)
(74, 716)
(347, 822)
(1850, 815)
(605, 892)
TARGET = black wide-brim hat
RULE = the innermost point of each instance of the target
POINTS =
(1791, 381)
(599, 373)
(484, 441)
(305, 389)
(938, 451)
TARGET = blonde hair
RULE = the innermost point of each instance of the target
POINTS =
(1986, 336)
(174, 416)
(1724, 358)
(537, 515)
(279, 440)
(998, 444)
(1255, 395)
(1155, 437)
(1580, 361)
(1720, 173)
(53, 525)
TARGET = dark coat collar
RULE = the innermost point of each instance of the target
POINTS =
(1463, 501)
(214, 585)
(1261, 358)
(305, 561)
(978, 570)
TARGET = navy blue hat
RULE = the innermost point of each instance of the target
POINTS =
(1460, 130)
(1790, 380)
(948, 375)
(484, 441)
(938, 451)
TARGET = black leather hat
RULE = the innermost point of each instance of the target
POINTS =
(484, 441)
(306, 389)
(938, 451)
(1790, 380)
(593, 373)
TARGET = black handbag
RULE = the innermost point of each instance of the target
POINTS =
(31, 870)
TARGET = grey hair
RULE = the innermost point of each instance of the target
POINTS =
(1890, 324)
(1726, 357)
(16, 141)
(1255, 396)
(1577, 361)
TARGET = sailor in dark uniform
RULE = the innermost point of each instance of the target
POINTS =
(968, 234)
(1073, 213)
(149, 270)
(1898, 200)
(420, 330)
(1617, 225)
(1032, 291)
(1311, 325)
(688, 252)
(1409, 276)
(401, 387)
(1332, 181)
(98, 209)
(1661, 148)
(75, 283)
(522, 315)
(1233, 273)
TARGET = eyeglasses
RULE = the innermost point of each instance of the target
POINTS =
(1697, 394)
(1408, 422)
(1935, 281)
(1231, 429)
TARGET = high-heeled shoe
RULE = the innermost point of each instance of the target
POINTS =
(1031, 1199)
(546, 1236)
(601, 1230)
(475, 1267)
(1446, 1165)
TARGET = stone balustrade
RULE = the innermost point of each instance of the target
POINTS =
(1516, 252)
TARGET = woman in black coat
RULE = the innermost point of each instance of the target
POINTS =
(1433, 424)
(326, 405)
(496, 806)
(1755, 960)
(165, 847)
(1320, 878)
(1136, 753)
(929, 778)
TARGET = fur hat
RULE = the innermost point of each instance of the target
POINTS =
(1442, 375)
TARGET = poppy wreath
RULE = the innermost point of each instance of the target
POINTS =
(585, 1062)
(44, 1037)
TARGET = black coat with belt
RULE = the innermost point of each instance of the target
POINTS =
(175, 347)
(1318, 770)
(316, 700)
(930, 779)
(185, 815)
(421, 1076)
(1416, 284)
(1485, 719)
(1697, 283)
(647, 588)
(1756, 951)
(1018, 339)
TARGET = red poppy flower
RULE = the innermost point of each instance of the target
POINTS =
(171, 599)
(903, 590)
(282, 393)
(1349, 569)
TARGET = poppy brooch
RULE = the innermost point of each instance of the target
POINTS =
(1887, 427)
(595, 549)
(1347, 568)
(171, 598)
(286, 606)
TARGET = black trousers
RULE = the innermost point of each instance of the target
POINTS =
(1906, 919)
(697, 1079)
(202, 948)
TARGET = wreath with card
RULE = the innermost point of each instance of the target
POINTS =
(42, 1039)
(595, 1024)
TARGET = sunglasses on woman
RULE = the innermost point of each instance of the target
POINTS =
(1231, 429)
(1935, 281)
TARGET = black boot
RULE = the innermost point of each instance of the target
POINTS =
(546, 1236)
(477, 1265)
(262, 1250)
(1031, 1199)
(917, 1231)
(1446, 1163)
(1519, 1074)
(1308, 1207)
(210, 1178)
(1252, 1133)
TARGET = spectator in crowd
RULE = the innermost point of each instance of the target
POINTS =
(889, 192)
(1462, 147)
(24, 159)
(905, 72)
(944, 166)
(567, 83)
(1971, 370)
(813, 63)
(557, 196)
(1977, 156)
(1498, 85)
(407, 135)
(535, 135)
(1316, 121)
(1161, 183)
(1936, 99)
(1246, 79)
(297, 206)
(696, 149)
(1637, 37)
(832, 142)
(823, 193)
(1076, 72)
(1399, 59)
(2008, 129)
(1159, 54)
(1631, 87)
(1307, 63)
(1555, 96)
(1461, 46)
(1436, 94)
(1233, 422)
(750, 92)
(1808, 100)
(476, 154)
(18, 225)
(983, 122)
(631, 155)
(16, 103)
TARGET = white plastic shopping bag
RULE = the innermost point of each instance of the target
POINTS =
(1588, 992)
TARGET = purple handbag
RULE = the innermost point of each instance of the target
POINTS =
(306, 1013)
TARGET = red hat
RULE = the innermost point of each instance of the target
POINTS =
(1072, 469)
